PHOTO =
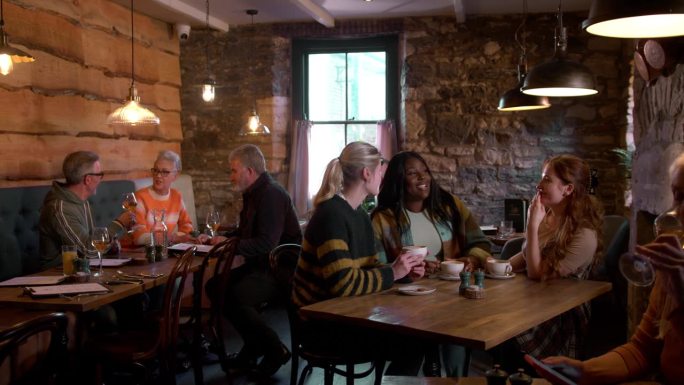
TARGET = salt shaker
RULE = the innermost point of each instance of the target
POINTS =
(479, 278)
(465, 281)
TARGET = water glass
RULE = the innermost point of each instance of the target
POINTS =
(69, 254)
(505, 229)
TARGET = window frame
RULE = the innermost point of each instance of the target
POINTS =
(301, 48)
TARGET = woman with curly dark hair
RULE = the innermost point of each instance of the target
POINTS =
(563, 240)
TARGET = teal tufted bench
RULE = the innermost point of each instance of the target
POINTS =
(19, 215)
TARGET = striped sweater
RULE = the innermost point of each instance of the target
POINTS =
(338, 256)
(176, 218)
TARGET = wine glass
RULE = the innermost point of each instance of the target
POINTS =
(637, 268)
(101, 242)
(129, 204)
(213, 221)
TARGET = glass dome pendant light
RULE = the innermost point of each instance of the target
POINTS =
(209, 84)
(254, 125)
(560, 77)
(132, 113)
(514, 99)
(9, 55)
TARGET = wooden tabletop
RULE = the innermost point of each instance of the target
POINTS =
(13, 296)
(510, 307)
(405, 380)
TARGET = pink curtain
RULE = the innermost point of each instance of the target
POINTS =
(387, 138)
(298, 178)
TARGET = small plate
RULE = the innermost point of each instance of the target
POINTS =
(449, 277)
(496, 276)
(416, 290)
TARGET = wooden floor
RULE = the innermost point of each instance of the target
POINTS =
(602, 334)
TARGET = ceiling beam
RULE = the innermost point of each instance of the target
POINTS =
(183, 8)
(459, 10)
(316, 11)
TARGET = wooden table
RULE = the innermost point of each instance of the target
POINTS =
(13, 296)
(511, 306)
(405, 380)
(502, 241)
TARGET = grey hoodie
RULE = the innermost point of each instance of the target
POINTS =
(65, 219)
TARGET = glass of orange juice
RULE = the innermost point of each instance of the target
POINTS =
(68, 256)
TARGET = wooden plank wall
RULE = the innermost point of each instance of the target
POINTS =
(60, 102)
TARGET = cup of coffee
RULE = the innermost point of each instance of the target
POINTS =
(69, 254)
(451, 267)
(500, 267)
(415, 250)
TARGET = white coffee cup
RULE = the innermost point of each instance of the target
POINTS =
(415, 250)
(451, 267)
(500, 267)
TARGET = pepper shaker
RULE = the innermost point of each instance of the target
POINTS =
(479, 278)
(465, 281)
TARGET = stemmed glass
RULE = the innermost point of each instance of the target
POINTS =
(213, 221)
(129, 204)
(101, 242)
(634, 266)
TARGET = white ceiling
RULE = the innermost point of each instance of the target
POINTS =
(224, 13)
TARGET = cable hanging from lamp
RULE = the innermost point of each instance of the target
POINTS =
(8, 54)
(209, 83)
(560, 77)
(514, 99)
(254, 125)
(132, 113)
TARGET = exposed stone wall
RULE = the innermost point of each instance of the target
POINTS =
(452, 77)
(60, 103)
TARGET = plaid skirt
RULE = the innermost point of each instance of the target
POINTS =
(559, 336)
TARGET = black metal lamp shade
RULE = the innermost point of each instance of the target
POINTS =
(635, 18)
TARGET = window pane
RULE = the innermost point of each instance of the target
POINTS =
(327, 141)
(327, 87)
(366, 91)
(362, 132)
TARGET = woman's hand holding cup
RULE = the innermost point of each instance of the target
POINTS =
(410, 261)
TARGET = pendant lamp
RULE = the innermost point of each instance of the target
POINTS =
(514, 99)
(254, 125)
(9, 55)
(209, 84)
(559, 76)
(132, 113)
(635, 18)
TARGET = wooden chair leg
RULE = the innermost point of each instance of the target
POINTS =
(379, 370)
(350, 374)
(294, 367)
(329, 375)
(305, 372)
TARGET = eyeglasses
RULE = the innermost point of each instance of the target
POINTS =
(164, 173)
(100, 174)
(383, 161)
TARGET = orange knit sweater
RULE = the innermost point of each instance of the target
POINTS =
(646, 353)
(177, 219)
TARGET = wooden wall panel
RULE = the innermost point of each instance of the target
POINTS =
(60, 103)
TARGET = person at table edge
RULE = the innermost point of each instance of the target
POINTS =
(267, 219)
(65, 217)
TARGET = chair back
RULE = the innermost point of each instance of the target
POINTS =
(46, 363)
(172, 301)
(511, 248)
(225, 254)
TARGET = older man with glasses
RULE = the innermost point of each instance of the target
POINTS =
(160, 196)
(65, 217)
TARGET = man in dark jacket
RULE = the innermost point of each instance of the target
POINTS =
(267, 220)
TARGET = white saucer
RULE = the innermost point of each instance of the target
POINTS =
(449, 277)
(416, 290)
(496, 276)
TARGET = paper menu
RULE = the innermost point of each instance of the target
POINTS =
(33, 280)
(109, 262)
(185, 246)
(54, 290)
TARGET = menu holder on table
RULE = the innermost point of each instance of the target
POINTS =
(110, 262)
(184, 246)
(33, 280)
(61, 290)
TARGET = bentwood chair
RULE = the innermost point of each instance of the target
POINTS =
(222, 255)
(157, 337)
(17, 349)
(283, 261)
